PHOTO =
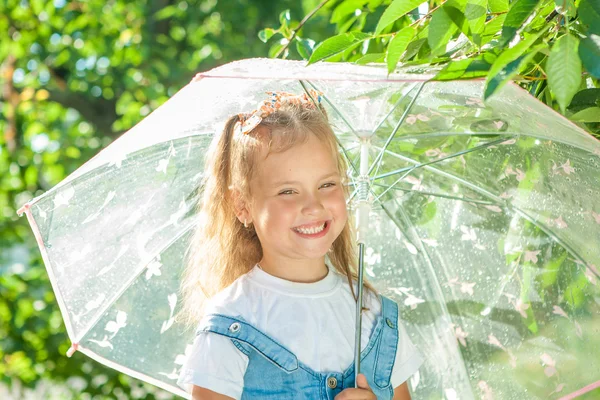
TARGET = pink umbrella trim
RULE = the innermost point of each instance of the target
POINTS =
(72, 349)
(581, 391)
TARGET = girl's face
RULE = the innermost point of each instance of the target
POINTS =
(298, 204)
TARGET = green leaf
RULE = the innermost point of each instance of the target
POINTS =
(589, 52)
(418, 45)
(345, 9)
(467, 69)
(441, 29)
(428, 213)
(266, 34)
(510, 71)
(415, 48)
(475, 13)
(347, 25)
(395, 11)
(492, 27)
(460, 5)
(585, 98)
(337, 44)
(166, 12)
(458, 17)
(397, 46)
(499, 73)
(517, 15)
(564, 70)
(302, 51)
(589, 15)
(373, 4)
(275, 49)
(285, 18)
(371, 58)
(591, 114)
(551, 269)
(304, 47)
(62, 58)
(574, 294)
(360, 23)
(498, 6)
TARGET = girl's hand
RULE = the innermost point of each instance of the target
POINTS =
(363, 392)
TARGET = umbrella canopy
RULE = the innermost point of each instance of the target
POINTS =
(484, 226)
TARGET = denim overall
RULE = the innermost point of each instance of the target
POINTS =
(275, 373)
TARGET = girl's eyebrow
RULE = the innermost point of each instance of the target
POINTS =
(281, 183)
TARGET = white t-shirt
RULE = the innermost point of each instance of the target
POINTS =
(324, 310)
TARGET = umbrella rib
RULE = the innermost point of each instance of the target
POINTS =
(419, 244)
(504, 282)
(350, 125)
(379, 125)
(551, 234)
(438, 134)
(393, 108)
(344, 151)
(128, 284)
(331, 105)
(408, 170)
(445, 196)
(491, 195)
(395, 130)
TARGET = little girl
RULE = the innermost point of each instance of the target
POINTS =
(272, 271)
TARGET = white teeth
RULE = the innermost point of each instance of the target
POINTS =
(310, 231)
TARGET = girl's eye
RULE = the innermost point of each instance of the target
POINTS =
(329, 184)
(287, 192)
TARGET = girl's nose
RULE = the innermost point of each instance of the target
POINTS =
(312, 205)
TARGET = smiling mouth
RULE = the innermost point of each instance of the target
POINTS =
(313, 230)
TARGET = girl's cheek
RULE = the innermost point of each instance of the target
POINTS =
(338, 203)
(340, 195)
(288, 203)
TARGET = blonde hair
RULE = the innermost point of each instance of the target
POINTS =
(222, 249)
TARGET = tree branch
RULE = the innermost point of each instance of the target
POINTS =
(295, 31)
(427, 15)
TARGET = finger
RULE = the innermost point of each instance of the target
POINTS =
(361, 380)
(356, 394)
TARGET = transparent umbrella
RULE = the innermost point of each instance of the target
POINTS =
(483, 223)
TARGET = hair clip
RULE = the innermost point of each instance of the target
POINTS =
(248, 121)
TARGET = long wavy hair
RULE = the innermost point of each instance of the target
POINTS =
(222, 249)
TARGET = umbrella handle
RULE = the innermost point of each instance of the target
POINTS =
(359, 306)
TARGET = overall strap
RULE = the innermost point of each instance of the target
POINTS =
(388, 344)
(239, 330)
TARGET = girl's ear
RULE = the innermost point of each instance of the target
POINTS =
(240, 206)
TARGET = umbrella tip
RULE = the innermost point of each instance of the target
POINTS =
(197, 77)
(23, 209)
(72, 349)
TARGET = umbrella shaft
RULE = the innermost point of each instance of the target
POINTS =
(362, 221)
(359, 306)
(363, 207)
